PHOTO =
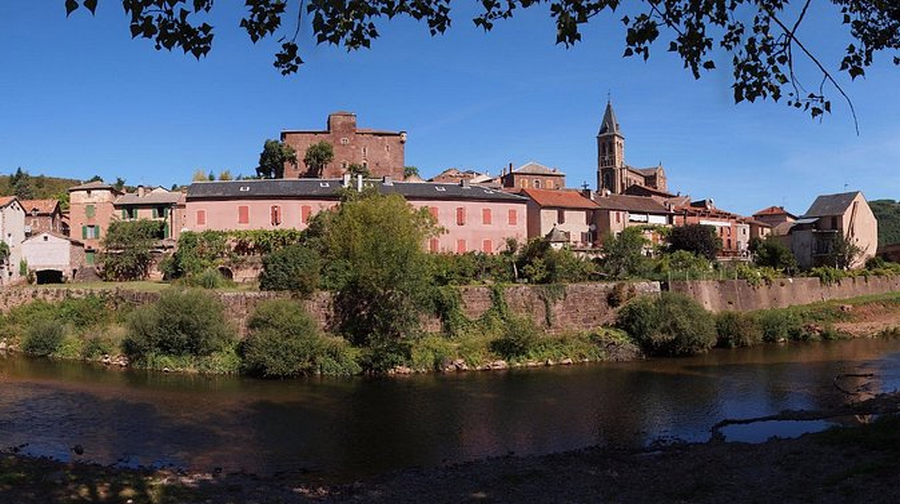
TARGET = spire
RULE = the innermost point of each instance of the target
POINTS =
(610, 125)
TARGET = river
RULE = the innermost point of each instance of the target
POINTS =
(340, 429)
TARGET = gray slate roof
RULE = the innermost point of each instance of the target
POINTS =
(831, 204)
(331, 188)
(610, 124)
(633, 204)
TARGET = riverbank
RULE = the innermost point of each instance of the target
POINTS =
(849, 464)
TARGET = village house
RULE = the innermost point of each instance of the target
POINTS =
(730, 228)
(12, 233)
(474, 218)
(379, 151)
(53, 258)
(455, 176)
(42, 215)
(830, 218)
(566, 211)
(616, 212)
(532, 175)
(778, 219)
(157, 204)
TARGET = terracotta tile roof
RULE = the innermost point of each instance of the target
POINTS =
(634, 204)
(43, 206)
(550, 198)
(642, 190)
(6, 200)
(774, 210)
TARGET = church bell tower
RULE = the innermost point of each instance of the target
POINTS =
(610, 154)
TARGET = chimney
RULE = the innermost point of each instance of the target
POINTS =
(345, 180)
(359, 182)
(141, 190)
(464, 183)
(388, 180)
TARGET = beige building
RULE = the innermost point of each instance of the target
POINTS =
(832, 217)
(533, 175)
(12, 233)
(555, 211)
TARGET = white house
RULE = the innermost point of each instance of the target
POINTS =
(12, 233)
(53, 258)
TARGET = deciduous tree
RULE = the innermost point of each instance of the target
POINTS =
(273, 157)
(317, 157)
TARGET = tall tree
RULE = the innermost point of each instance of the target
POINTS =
(273, 158)
(199, 175)
(20, 181)
(410, 171)
(761, 38)
(317, 157)
(695, 238)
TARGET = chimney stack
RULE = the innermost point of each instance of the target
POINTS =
(140, 190)
(388, 180)
(359, 182)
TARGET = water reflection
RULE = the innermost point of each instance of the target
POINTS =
(352, 427)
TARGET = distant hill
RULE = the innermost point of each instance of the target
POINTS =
(39, 187)
(888, 214)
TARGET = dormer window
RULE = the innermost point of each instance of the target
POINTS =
(324, 184)
(245, 189)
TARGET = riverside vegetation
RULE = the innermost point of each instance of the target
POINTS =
(367, 252)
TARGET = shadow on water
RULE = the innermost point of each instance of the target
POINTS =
(345, 428)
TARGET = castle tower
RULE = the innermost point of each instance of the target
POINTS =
(610, 153)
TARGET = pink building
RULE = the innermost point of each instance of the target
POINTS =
(473, 218)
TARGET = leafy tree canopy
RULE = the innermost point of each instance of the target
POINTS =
(317, 157)
(695, 238)
(129, 249)
(760, 37)
(273, 157)
(888, 214)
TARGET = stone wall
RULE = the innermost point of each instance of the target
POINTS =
(739, 295)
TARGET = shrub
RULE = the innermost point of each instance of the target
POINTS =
(780, 325)
(129, 249)
(620, 294)
(294, 268)
(43, 337)
(431, 353)
(337, 357)
(828, 275)
(671, 324)
(210, 278)
(283, 341)
(189, 322)
(85, 312)
(520, 336)
(736, 329)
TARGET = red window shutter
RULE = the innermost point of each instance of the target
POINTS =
(487, 247)
(276, 215)
(201, 217)
(434, 212)
(513, 217)
(460, 246)
(460, 216)
(243, 214)
(305, 211)
(434, 245)
(486, 216)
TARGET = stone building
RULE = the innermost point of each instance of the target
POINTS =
(474, 218)
(566, 211)
(381, 152)
(779, 219)
(832, 217)
(42, 215)
(53, 258)
(616, 212)
(731, 228)
(533, 175)
(613, 174)
(158, 204)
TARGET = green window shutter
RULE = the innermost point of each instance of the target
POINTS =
(155, 213)
(166, 231)
(124, 213)
(98, 232)
(83, 232)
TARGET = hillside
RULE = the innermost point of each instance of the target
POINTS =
(888, 214)
(37, 186)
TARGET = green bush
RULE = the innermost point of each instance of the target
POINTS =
(780, 325)
(736, 329)
(520, 337)
(284, 341)
(294, 268)
(209, 278)
(337, 357)
(188, 322)
(43, 337)
(85, 312)
(431, 353)
(671, 324)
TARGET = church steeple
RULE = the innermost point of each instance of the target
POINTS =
(610, 153)
(610, 125)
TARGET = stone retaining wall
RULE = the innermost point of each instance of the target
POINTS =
(739, 295)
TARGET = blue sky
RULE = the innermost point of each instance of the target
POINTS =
(79, 97)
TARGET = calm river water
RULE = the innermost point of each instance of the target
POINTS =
(344, 428)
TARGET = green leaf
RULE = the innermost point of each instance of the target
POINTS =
(91, 5)
(71, 6)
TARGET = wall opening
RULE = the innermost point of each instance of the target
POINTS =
(48, 277)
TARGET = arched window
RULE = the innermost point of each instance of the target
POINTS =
(275, 212)
(537, 183)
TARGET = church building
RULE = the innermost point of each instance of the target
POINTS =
(613, 174)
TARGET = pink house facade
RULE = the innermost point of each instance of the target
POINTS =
(472, 218)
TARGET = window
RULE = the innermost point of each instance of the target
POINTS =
(201, 217)
(550, 185)
(618, 218)
(345, 141)
(834, 223)
(90, 232)
(275, 212)
(513, 217)
(537, 184)
(344, 165)
(160, 212)
(588, 218)
(523, 183)
(434, 212)
(90, 211)
(560, 216)
(243, 214)
(486, 216)
(305, 211)
(365, 151)
(387, 148)
(129, 213)
(460, 246)
(244, 189)
(487, 247)
(434, 245)
(460, 216)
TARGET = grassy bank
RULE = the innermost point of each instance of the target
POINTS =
(187, 331)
